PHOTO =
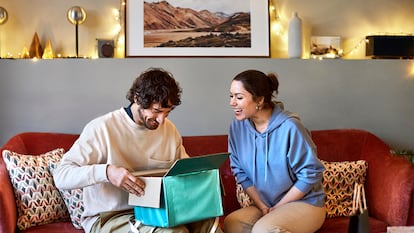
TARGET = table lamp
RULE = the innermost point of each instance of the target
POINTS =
(76, 15)
(3, 20)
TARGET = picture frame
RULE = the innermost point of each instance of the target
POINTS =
(325, 47)
(209, 38)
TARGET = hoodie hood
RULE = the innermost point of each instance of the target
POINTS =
(279, 115)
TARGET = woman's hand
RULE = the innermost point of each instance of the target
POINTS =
(265, 210)
(294, 194)
(122, 178)
(254, 195)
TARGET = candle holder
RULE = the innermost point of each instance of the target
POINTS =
(3, 19)
(76, 15)
(3, 15)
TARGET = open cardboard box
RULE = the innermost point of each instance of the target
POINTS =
(187, 192)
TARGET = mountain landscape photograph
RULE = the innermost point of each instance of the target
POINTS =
(172, 23)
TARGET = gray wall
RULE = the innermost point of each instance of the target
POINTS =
(62, 95)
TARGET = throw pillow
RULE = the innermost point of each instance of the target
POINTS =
(338, 181)
(73, 201)
(242, 197)
(37, 199)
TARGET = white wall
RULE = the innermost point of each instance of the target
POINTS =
(62, 95)
(48, 19)
(351, 19)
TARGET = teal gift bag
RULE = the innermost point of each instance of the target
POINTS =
(190, 192)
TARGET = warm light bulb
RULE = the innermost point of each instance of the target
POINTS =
(116, 29)
(411, 73)
(116, 13)
(277, 28)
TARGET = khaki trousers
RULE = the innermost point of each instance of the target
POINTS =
(294, 217)
(118, 222)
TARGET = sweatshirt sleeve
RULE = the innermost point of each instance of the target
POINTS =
(84, 164)
(238, 172)
(303, 159)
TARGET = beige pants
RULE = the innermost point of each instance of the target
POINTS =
(119, 223)
(294, 217)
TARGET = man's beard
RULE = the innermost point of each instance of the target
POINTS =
(149, 123)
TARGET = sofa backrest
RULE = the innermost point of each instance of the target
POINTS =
(346, 144)
(34, 143)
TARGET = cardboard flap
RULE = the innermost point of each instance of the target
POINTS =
(152, 196)
(198, 163)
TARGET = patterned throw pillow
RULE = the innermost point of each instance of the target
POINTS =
(338, 181)
(73, 201)
(37, 199)
(242, 197)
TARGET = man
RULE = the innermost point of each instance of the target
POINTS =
(110, 147)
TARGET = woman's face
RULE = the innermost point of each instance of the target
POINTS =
(241, 101)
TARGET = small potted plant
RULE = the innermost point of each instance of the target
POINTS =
(408, 154)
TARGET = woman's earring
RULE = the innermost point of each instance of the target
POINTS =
(257, 107)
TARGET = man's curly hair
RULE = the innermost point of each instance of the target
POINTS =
(155, 85)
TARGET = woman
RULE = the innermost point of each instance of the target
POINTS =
(274, 159)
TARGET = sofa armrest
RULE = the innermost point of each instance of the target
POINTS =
(8, 214)
(389, 184)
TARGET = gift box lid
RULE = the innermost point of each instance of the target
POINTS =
(187, 165)
(197, 163)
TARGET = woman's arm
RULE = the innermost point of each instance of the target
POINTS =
(254, 195)
(293, 194)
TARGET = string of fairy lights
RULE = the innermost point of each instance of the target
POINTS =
(119, 39)
(278, 29)
(363, 41)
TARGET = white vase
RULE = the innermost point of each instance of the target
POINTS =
(295, 36)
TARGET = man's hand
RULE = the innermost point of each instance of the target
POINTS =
(122, 178)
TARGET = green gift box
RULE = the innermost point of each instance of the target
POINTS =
(189, 191)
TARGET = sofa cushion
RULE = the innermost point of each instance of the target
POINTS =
(37, 199)
(338, 181)
(242, 197)
(73, 201)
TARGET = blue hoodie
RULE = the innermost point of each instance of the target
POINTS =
(277, 159)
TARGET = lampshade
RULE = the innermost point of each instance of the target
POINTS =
(3, 15)
(76, 15)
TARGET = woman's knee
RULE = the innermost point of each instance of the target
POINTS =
(241, 220)
(230, 223)
(261, 228)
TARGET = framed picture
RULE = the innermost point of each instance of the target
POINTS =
(325, 47)
(197, 28)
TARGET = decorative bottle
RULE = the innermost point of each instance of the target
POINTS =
(295, 36)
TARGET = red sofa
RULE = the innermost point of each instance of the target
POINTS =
(389, 181)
